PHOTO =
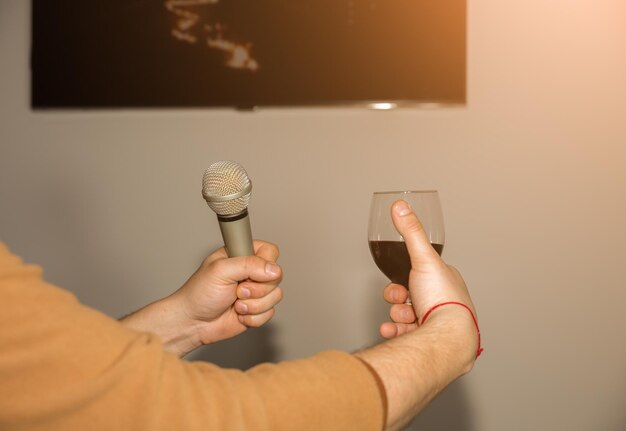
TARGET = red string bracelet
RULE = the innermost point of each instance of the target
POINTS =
(480, 349)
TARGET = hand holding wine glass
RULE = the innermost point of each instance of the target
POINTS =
(431, 282)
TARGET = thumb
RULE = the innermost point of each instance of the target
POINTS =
(408, 225)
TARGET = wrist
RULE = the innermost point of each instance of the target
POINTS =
(457, 326)
(167, 319)
(415, 366)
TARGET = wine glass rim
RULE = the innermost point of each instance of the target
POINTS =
(406, 192)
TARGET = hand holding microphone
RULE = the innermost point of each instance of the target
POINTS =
(215, 300)
(219, 305)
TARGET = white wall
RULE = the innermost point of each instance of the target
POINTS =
(532, 176)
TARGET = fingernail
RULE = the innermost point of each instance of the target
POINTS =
(244, 292)
(271, 268)
(241, 307)
(403, 208)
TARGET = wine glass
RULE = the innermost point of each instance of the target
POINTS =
(387, 245)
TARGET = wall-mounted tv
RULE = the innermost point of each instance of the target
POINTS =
(246, 53)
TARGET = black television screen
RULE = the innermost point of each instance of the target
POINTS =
(246, 53)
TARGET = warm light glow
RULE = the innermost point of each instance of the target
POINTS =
(383, 106)
(190, 25)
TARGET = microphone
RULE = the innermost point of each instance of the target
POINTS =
(226, 189)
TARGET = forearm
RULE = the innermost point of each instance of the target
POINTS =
(415, 367)
(164, 318)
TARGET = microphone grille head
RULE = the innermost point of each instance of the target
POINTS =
(226, 187)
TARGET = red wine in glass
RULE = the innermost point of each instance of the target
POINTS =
(387, 246)
(392, 258)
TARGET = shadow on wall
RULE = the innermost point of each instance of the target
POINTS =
(244, 351)
(57, 230)
(450, 411)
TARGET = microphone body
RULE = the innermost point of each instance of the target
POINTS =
(237, 234)
(226, 189)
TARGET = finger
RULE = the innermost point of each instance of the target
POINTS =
(402, 313)
(240, 268)
(252, 290)
(266, 250)
(263, 249)
(395, 294)
(260, 305)
(388, 330)
(391, 330)
(408, 225)
(254, 321)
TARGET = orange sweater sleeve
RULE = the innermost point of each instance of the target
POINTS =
(64, 366)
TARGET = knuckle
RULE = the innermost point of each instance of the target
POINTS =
(255, 309)
(275, 250)
(208, 261)
(253, 262)
(249, 262)
(401, 329)
(216, 255)
(253, 322)
(413, 225)
(218, 265)
(246, 320)
(269, 315)
(267, 250)
(252, 288)
(393, 312)
(278, 295)
(261, 319)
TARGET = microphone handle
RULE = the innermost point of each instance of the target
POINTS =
(237, 234)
